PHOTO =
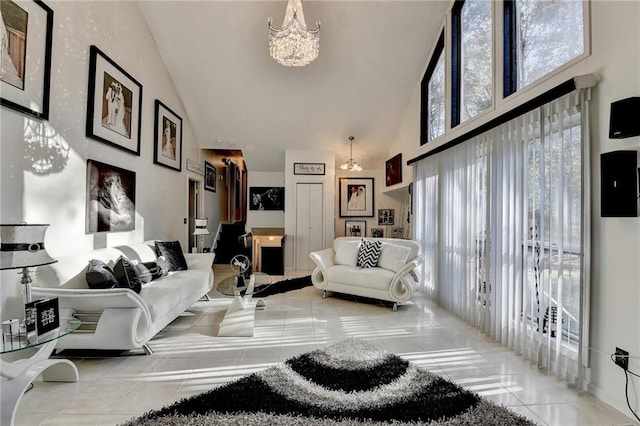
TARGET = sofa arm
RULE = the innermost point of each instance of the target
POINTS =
(324, 260)
(402, 286)
(110, 303)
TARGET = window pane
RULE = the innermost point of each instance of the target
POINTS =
(550, 34)
(477, 56)
(436, 99)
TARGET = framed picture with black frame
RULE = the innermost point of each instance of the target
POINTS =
(355, 228)
(25, 79)
(393, 170)
(356, 197)
(111, 198)
(210, 177)
(114, 104)
(167, 137)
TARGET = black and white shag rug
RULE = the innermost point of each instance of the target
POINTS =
(347, 384)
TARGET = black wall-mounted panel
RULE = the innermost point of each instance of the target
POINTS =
(624, 121)
(618, 184)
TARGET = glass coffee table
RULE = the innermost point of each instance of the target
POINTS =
(239, 319)
(23, 360)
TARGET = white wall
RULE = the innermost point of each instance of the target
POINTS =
(59, 197)
(259, 218)
(328, 180)
(615, 280)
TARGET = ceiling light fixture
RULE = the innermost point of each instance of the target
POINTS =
(294, 45)
(351, 165)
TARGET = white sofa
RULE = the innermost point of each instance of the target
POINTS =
(392, 279)
(119, 318)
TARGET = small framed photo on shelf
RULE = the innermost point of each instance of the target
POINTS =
(25, 75)
(355, 228)
(42, 316)
(308, 168)
(167, 137)
(209, 177)
(377, 232)
(385, 216)
(114, 105)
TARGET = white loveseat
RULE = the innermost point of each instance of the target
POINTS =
(392, 279)
(119, 318)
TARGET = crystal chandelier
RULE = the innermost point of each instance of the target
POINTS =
(351, 165)
(294, 45)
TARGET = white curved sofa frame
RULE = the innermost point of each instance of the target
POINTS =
(401, 287)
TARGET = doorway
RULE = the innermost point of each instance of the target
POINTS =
(194, 208)
(309, 234)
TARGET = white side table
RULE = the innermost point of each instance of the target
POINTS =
(17, 371)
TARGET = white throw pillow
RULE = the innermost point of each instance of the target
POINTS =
(393, 256)
(347, 253)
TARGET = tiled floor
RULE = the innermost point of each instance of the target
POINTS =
(189, 358)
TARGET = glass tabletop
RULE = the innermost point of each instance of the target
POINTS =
(236, 283)
(20, 341)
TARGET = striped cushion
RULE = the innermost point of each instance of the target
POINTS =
(369, 253)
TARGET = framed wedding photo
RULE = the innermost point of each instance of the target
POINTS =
(111, 198)
(167, 137)
(114, 105)
(356, 197)
(25, 77)
(209, 177)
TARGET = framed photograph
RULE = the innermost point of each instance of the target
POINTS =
(385, 216)
(114, 105)
(355, 228)
(377, 232)
(266, 198)
(356, 197)
(25, 73)
(393, 170)
(210, 177)
(308, 168)
(111, 198)
(167, 136)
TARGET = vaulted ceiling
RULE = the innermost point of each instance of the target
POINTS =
(372, 57)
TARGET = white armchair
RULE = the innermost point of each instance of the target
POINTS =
(392, 279)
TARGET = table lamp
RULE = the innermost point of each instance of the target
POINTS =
(22, 246)
(201, 229)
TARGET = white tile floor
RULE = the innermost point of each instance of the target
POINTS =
(189, 358)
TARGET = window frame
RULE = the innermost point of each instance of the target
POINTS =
(424, 88)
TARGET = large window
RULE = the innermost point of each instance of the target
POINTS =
(540, 36)
(433, 96)
(472, 59)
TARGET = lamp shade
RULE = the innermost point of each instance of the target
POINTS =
(201, 227)
(22, 246)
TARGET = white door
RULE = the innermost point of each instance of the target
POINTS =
(309, 223)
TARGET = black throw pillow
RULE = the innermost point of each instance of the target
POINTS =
(149, 271)
(126, 274)
(172, 252)
(100, 275)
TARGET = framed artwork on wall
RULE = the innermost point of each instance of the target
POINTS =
(393, 170)
(386, 216)
(111, 198)
(308, 168)
(209, 177)
(355, 228)
(377, 232)
(356, 197)
(114, 104)
(27, 27)
(266, 198)
(167, 137)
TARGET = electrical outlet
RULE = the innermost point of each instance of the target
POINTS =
(622, 358)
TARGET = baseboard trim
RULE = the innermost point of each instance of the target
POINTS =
(610, 400)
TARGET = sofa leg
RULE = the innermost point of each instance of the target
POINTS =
(324, 294)
(147, 350)
(395, 307)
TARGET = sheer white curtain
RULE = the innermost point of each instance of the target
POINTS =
(503, 223)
